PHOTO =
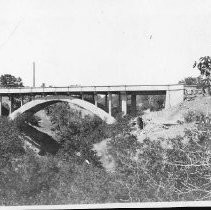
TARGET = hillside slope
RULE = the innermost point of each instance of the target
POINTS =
(171, 123)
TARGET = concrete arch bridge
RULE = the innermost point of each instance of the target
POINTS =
(39, 104)
(175, 94)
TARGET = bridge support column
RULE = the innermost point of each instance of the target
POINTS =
(0, 105)
(106, 102)
(95, 99)
(11, 104)
(124, 102)
(82, 96)
(133, 103)
(168, 98)
(109, 103)
(22, 100)
(119, 104)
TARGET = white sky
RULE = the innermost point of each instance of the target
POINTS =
(103, 42)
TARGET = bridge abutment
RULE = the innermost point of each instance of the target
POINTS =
(174, 97)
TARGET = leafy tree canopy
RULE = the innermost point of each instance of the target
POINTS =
(191, 81)
(204, 66)
(8, 80)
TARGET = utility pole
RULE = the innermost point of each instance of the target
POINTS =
(33, 74)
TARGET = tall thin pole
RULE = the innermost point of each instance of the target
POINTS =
(33, 74)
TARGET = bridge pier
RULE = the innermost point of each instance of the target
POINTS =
(22, 102)
(82, 96)
(124, 102)
(120, 104)
(168, 100)
(133, 103)
(110, 103)
(11, 104)
(95, 99)
(106, 101)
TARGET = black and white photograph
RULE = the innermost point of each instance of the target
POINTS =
(105, 104)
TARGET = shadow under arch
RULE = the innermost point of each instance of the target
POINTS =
(42, 141)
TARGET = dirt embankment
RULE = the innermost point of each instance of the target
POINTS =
(170, 123)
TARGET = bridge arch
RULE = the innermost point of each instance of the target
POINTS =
(39, 104)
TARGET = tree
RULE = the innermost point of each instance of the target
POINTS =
(204, 66)
(156, 102)
(8, 80)
(189, 81)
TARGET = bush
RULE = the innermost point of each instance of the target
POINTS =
(89, 184)
(29, 180)
(10, 143)
(24, 180)
(77, 133)
(11, 147)
(166, 169)
(192, 116)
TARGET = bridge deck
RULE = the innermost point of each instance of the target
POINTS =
(93, 89)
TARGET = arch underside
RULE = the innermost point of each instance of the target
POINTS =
(88, 108)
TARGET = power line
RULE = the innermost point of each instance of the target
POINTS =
(11, 34)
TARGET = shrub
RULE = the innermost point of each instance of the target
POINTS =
(11, 147)
(78, 184)
(26, 178)
(192, 116)
(77, 133)
(10, 143)
(166, 169)
(90, 184)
